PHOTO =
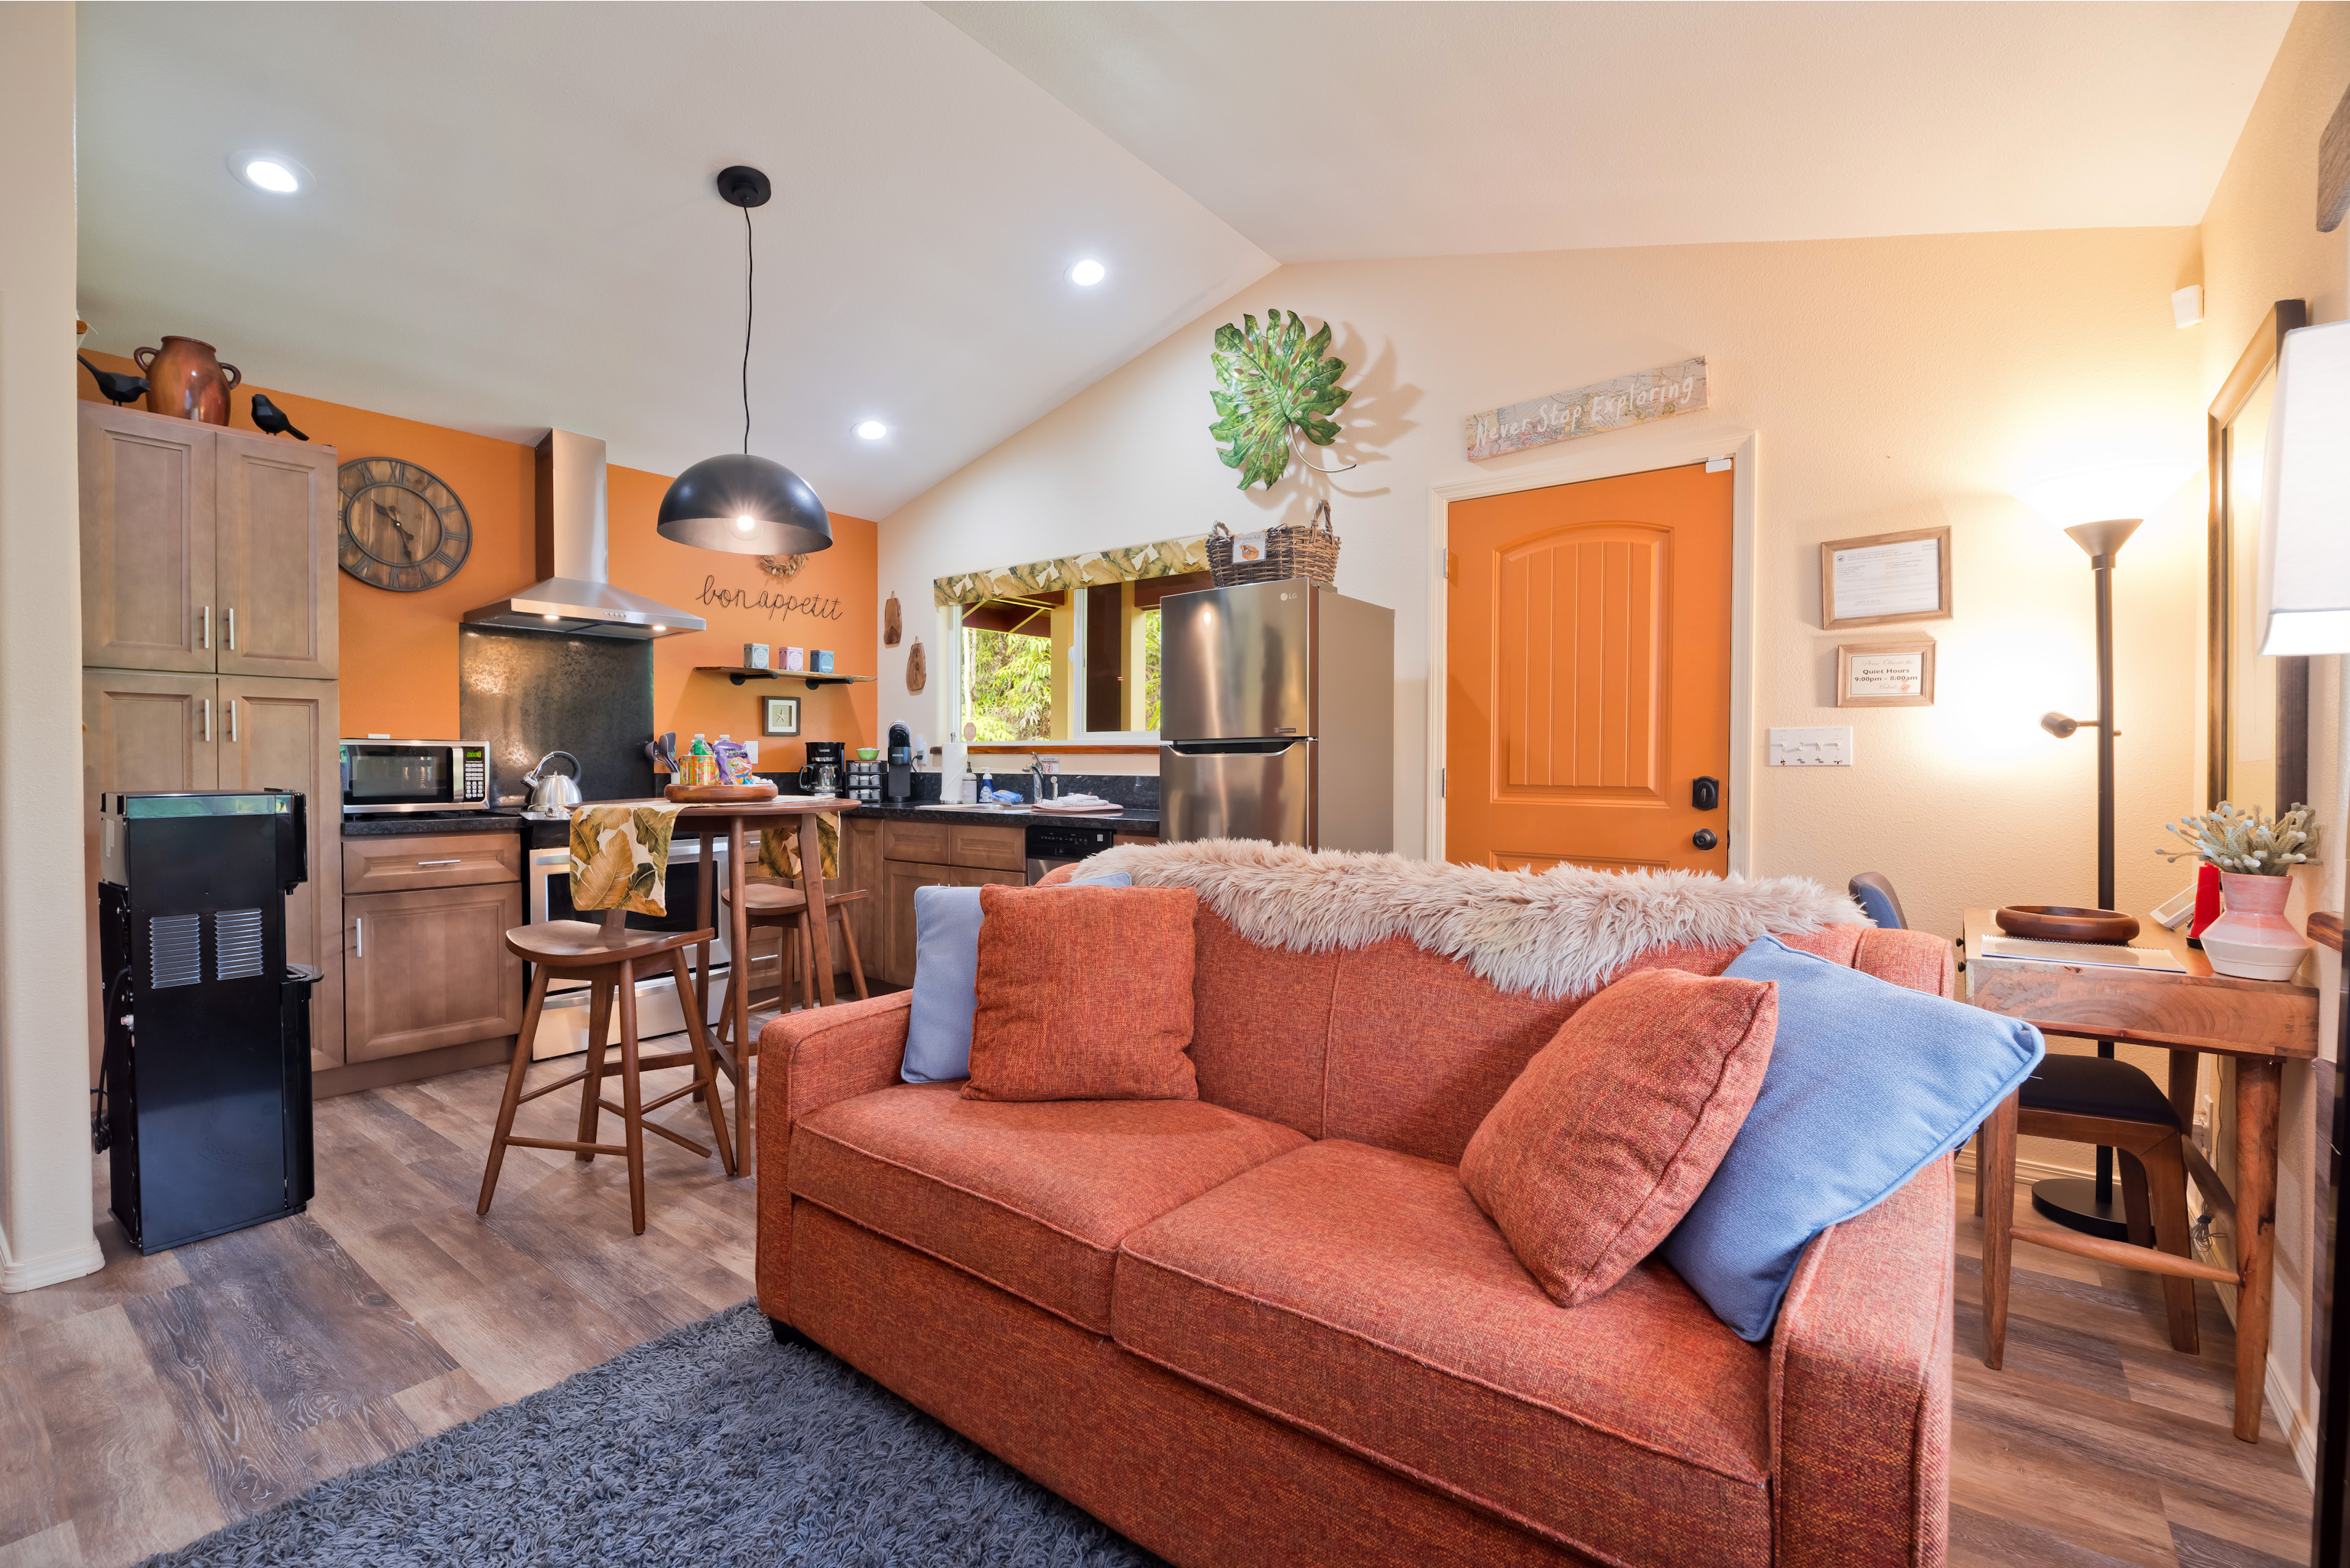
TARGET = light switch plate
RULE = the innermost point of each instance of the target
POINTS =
(1819, 746)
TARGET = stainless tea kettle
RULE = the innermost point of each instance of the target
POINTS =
(553, 792)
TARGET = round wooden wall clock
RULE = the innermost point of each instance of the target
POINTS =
(403, 528)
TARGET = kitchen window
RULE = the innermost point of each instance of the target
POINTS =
(1073, 665)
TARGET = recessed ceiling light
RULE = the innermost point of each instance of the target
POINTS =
(872, 429)
(1088, 273)
(273, 173)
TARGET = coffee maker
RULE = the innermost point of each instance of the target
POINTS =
(827, 765)
(898, 783)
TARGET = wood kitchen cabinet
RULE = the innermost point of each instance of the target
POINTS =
(899, 878)
(928, 854)
(204, 550)
(174, 733)
(430, 968)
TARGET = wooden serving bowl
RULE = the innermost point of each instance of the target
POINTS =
(2061, 923)
(720, 794)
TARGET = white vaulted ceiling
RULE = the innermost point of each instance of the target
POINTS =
(1350, 129)
(513, 224)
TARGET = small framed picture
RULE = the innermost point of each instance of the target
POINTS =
(1884, 576)
(1886, 674)
(779, 715)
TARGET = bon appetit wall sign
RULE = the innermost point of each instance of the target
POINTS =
(1627, 400)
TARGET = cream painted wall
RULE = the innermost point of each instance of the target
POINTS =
(2261, 244)
(1894, 384)
(45, 1159)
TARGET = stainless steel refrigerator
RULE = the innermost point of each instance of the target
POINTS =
(1277, 717)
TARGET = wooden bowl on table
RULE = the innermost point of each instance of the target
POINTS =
(720, 794)
(2062, 923)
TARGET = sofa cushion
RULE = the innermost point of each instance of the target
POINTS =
(946, 978)
(1034, 1198)
(1359, 1293)
(1594, 1155)
(1084, 994)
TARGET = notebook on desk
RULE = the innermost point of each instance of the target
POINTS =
(2104, 953)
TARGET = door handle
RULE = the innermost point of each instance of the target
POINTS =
(1705, 795)
(358, 937)
(208, 721)
(458, 862)
(208, 625)
(1703, 838)
(232, 717)
(232, 628)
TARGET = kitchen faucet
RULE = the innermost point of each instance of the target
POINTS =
(1036, 771)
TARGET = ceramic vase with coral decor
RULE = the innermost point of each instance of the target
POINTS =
(2251, 940)
(186, 380)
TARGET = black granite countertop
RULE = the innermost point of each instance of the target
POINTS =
(1133, 819)
(413, 823)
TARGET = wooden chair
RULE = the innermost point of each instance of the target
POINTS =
(611, 957)
(772, 905)
(2092, 1100)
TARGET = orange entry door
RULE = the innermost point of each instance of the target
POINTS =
(1588, 650)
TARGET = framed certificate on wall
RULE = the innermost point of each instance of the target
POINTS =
(1886, 674)
(1885, 577)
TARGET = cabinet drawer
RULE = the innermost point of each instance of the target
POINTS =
(430, 860)
(970, 879)
(998, 848)
(1135, 838)
(922, 841)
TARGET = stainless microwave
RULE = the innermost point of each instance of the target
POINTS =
(415, 775)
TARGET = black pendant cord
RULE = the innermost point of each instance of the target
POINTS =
(750, 302)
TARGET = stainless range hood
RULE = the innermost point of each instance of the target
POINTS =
(573, 596)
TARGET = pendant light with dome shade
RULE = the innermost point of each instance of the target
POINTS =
(736, 502)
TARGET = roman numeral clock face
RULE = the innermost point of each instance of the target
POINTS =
(403, 528)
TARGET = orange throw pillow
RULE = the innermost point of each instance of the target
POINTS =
(1084, 994)
(1593, 1155)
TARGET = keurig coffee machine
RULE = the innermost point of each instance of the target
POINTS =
(897, 782)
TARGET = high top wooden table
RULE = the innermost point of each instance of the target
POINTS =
(767, 815)
(2262, 1024)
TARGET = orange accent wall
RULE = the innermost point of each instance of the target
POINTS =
(399, 670)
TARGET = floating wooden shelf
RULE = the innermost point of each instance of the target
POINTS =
(814, 678)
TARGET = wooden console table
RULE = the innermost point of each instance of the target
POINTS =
(2262, 1024)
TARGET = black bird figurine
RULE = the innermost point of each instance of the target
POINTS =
(117, 389)
(271, 420)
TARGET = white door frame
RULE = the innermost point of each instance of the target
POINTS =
(1662, 449)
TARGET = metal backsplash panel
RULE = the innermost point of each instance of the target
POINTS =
(527, 693)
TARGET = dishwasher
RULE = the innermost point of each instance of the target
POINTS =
(1052, 844)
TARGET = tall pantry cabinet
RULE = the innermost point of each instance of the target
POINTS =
(208, 647)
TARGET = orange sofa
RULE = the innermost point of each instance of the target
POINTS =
(1270, 1325)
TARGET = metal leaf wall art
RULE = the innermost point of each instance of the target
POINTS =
(1275, 383)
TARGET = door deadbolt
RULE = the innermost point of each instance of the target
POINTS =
(1705, 793)
(1703, 838)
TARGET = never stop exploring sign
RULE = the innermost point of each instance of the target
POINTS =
(1627, 400)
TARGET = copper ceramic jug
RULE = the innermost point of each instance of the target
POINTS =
(187, 381)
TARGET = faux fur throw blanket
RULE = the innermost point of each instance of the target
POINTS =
(1558, 933)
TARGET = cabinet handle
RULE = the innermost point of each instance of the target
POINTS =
(208, 625)
(232, 717)
(358, 937)
(208, 721)
(456, 862)
(232, 628)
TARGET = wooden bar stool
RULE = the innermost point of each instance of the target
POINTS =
(2100, 1101)
(611, 957)
(772, 906)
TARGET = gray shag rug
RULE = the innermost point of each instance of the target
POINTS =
(710, 1444)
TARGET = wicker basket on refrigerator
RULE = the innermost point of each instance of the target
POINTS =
(1311, 551)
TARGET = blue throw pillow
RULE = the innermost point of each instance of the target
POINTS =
(946, 978)
(1868, 1081)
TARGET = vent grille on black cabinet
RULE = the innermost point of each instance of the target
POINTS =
(175, 951)
(236, 944)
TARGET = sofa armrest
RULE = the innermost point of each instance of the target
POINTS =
(809, 1060)
(1918, 959)
(1860, 1388)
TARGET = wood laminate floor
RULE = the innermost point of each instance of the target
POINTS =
(149, 1403)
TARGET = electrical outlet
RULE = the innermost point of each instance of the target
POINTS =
(1819, 746)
